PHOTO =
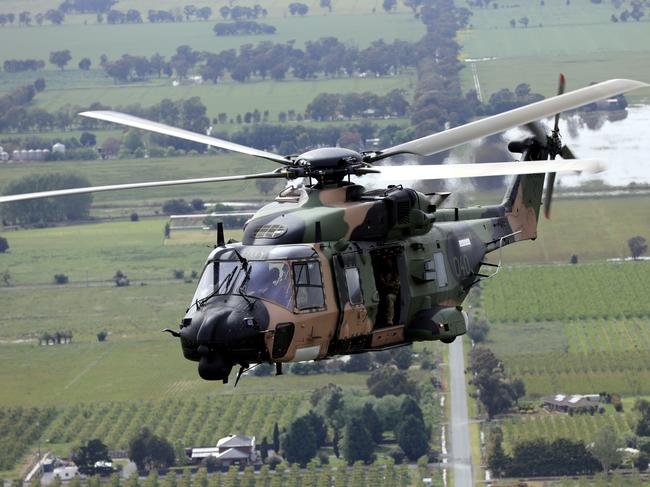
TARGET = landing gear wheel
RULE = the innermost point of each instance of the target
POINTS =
(447, 340)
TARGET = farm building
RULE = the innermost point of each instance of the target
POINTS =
(231, 450)
(574, 402)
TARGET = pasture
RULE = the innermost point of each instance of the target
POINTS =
(276, 8)
(578, 40)
(230, 97)
(147, 38)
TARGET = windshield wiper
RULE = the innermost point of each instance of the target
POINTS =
(242, 259)
(242, 286)
(228, 279)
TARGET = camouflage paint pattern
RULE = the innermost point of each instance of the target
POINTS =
(352, 233)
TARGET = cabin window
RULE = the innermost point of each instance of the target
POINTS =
(354, 286)
(309, 285)
(441, 271)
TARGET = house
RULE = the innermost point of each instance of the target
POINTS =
(574, 402)
(230, 450)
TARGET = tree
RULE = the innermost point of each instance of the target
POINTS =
(149, 451)
(637, 246)
(264, 449)
(389, 5)
(357, 441)
(412, 437)
(372, 422)
(87, 455)
(524, 21)
(60, 279)
(605, 447)
(478, 330)
(55, 16)
(326, 4)
(299, 442)
(403, 357)
(84, 64)
(47, 210)
(60, 58)
(389, 380)
(276, 438)
(4, 245)
(102, 335)
(39, 84)
(87, 139)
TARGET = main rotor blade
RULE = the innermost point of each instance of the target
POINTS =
(161, 128)
(450, 171)
(560, 90)
(150, 184)
(440, 141)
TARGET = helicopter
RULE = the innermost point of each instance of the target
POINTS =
(330, 268)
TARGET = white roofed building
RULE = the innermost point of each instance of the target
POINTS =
(230, 450)
(573, 402)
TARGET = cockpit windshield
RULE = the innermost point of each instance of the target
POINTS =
(268, 280)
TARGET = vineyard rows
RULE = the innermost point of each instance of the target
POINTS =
(192, 422)
(19, 428)
(608, 335)
(376, 475)
(579, 427)
(555, 293)
(625, 373)
(189, 422)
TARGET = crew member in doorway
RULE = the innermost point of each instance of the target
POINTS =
(389, 289)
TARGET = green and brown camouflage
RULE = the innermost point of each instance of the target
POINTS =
(329, 246)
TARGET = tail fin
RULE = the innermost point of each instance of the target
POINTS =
(521, 203)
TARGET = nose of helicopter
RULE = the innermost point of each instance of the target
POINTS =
(219, 337)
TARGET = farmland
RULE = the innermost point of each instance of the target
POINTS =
(578, 39)
(547, 293)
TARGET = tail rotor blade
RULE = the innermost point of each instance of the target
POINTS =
(560, 90)
(548, 196)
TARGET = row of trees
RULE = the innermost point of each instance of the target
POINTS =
(333, 106)
(539, 458)
(326, 56)
(354, 426)
(55, 17)
(56, 338)
(243, 28)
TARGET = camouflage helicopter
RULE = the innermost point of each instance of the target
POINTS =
(331, 268)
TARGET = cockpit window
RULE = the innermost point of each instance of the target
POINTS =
(268, 280)
(309, 285)
(206, 283)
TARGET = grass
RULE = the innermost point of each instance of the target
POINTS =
(133, 170)
(578, 40)
(147, 39)
(276, 8)
(229, 97)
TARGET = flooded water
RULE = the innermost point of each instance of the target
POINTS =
(621, 139)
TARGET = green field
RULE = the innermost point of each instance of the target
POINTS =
(145, 39)
(565, 328)
(230, 97)
(578, 40)
(276, 8)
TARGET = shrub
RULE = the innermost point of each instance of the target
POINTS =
(178, 273)
(134, 217)
(120, 279)
(101, 336)
(4, 245)
(60, 279)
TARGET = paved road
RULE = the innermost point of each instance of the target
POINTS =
(460, 452)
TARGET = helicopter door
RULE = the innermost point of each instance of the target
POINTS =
(354, 319)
